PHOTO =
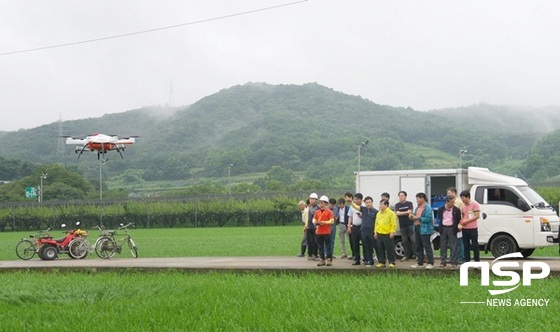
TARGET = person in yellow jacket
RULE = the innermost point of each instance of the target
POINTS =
(385, 229)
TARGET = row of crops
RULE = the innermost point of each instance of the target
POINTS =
(216, 212)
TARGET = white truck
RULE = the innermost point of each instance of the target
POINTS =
(513, 216)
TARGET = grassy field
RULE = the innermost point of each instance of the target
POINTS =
(184, 242)
(227, 241)
(174, 301)
(179, 301)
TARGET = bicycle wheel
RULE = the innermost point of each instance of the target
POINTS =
(78, 248)
(25, 249)
(133, 248)
(105, 247)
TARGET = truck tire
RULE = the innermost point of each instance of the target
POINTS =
(503, 244)
(527, 252)
(399, 247)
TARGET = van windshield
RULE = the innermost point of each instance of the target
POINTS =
(534, 198)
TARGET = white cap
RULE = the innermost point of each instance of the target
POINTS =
(313, 195)
(324, 199)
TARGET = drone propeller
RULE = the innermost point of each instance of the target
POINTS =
(81, 138)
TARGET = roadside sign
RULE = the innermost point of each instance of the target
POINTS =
(30, 192)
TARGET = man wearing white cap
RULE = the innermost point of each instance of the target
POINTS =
(310, 231)
(323, 219)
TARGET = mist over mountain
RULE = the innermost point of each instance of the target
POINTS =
(488, 117)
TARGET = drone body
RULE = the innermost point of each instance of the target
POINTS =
(100, 143)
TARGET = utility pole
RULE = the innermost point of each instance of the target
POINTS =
(229, 178)
(461, 155)
(101, 162)
(43, 176)
(359, 156)
(61, 147)
(171, 94)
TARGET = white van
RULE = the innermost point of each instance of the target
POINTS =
(513, 216)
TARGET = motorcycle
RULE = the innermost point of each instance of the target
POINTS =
(73, 244)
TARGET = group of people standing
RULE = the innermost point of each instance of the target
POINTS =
(371, 230)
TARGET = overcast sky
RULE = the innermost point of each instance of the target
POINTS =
(423, 54)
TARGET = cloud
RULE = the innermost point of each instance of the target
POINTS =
(423, 54)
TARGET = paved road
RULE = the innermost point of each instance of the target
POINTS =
(239, 264)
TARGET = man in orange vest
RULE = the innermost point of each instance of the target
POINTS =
(323, 219)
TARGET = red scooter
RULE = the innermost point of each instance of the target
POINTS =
(72, 244)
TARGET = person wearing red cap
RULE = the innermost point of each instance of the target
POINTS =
(323, 219)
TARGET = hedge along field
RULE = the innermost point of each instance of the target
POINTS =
(175, 301)
(193, 212)
(208, 241)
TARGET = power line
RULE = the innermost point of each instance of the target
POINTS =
(154, 30)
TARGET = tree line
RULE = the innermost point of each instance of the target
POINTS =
(218, 211)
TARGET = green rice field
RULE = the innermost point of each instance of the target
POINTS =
(226, 241)
(259, 301)
(175, 301)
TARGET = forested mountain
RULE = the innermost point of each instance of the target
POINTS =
(305, 128)
(13, 169)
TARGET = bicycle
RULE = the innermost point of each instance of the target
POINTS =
(83, 247)
(26, 248)
(107, 246)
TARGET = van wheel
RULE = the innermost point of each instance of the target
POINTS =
(527, 252)
(399, 248)
(503, 245)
